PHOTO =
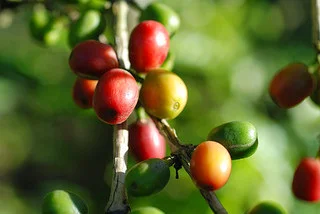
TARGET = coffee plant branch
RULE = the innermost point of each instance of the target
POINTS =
(184, 154)
(118, 200)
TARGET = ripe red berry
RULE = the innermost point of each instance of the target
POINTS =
(291, 85)
(148, 46)
(306, 180)
(83, 90)
(115, 96)
(91, 59)
(145, 141)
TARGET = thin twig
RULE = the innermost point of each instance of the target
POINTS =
(184, 154)
(118, 200)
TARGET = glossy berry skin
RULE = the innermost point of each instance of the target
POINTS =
(83, 91)
(89, 26)
(267, 207)
(115, 96)
(163, 94)
(210, 165)
(147, 177)
(306, 180)
(148, 46)
(91, 59)
(63, 202)
(162, 13)
(238, 137)
(145, 141)
(291, 85)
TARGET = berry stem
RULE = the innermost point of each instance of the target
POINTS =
(141, 113)
(170, 160)
(183, 152)
(118, 200)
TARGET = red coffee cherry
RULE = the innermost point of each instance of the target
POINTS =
(210, 165)
(306, 180)
(145, 141)
(291, 85)
(91, 59)
(148, 46)
(82, 93)
(115, 96)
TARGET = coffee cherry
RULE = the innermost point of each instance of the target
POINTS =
(83, 91)
(55, 31)
(147, 177)
(62, 202)
(46, 28)
(163, 94)
(91, 59)
(162, 13)
(238, 137)
(88, 27)
(210, 165)
(267, 207)
(145, 141)
(39, 22)
(115, 96)
(291, 85)
(148, 46)
(306, 180)
(146, 210)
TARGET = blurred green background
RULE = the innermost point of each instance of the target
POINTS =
(226, 52)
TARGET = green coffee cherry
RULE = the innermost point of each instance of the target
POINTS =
(168, 64)
(89, 26)
(62, 202)
(239, 138)
(163, 14)
(267, 207)
(147, 177)
(147, 210)
(39, 22)
(55, 31)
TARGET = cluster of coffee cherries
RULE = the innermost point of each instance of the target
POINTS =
(152, 90)
(288, 88)
(210, 163)
(53, 22)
